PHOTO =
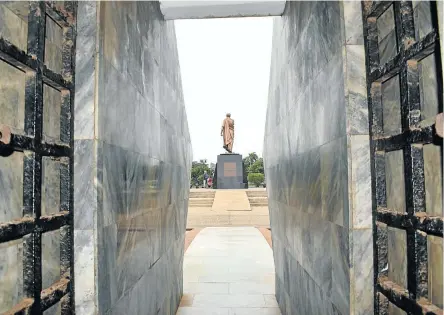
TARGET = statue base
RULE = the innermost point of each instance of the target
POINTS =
(230, 171)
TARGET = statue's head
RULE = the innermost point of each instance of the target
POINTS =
(228, 115)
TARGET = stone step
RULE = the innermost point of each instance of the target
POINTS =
(259, 204)
(257, 194)
(231, 200)
(202, 195)
(200, 205)
(258, 201)
(205, 220)
(200, 201)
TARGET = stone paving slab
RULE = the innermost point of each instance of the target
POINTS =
(229, 271)
(231, 200)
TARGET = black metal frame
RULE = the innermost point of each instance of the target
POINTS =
(416, 222)
(31, 226)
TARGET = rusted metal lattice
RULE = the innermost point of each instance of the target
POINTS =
(31, 226)
(416, 222)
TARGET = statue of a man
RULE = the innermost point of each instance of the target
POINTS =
(227, 133)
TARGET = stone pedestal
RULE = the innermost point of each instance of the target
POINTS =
(230, 171)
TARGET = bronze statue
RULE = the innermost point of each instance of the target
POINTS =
(227, 133)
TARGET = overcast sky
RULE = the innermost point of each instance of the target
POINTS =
(225, 66)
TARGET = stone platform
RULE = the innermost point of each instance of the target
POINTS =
(230, 208)
(229, 271)
(231, 200)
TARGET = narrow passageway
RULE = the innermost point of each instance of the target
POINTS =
(229, 271)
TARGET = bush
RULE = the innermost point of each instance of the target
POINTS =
(256, 178)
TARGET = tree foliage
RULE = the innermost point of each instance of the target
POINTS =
(197, 171)
(256, 178)
(250, 159)
(253, 163)
(257, 166)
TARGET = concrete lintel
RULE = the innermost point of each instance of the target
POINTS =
(175, 10)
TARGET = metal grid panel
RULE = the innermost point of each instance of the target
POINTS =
(416, 222)
(31, 226)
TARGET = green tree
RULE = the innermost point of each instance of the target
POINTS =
(250, 159)
(257, 166)
(256, 178)
(197, 171)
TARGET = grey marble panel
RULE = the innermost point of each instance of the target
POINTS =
(85, 194)
(19, 8)
(85, 271)
(11, 186)
(86, 26)
(11, 274)
(328, 16)
(395, 184)
(53, 45)
(433, 188)
(354, 32)
(386, 35)
(333, 100)
(356, 89)
(85, 70)
(106, 268)
(422, 14)
(391, 106)
(359, 178)
(429, 87)
(388, 48)
(397, 256)
(50, 258)
(436, 270)
(296, 291)
(50, 186)
(432, 155)
(316, 252)
(12, 27)
(340, 295)
(12, 97)
(334, 182)
(52, 104)
(84, 98)
(361, 274)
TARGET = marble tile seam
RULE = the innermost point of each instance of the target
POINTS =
(138, 153)
(141, 94)
(127, 291)
(359, 182)
(320, 288)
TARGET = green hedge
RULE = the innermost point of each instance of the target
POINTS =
(256, 178)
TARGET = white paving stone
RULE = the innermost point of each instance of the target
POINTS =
(229, 271)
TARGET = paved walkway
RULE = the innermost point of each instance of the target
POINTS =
(229, 271)
(231, 200)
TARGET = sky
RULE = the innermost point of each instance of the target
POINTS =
(225, 67)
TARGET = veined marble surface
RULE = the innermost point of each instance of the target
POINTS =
(133, 157)
(317, 160)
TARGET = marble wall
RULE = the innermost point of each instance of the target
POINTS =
(316, 151)
(132, 161)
